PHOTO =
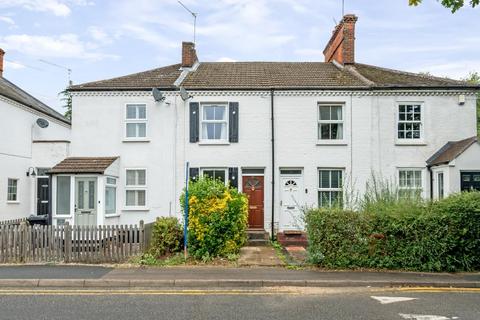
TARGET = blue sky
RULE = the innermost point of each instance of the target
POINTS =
(101, 39)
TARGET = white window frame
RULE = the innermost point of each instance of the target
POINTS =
(339, 189)
(135, 121)
(136, 188)
(215, 169)
(202, 121)
(410, 141)
(16, 190)
(114, 187)
(320, 122)
(412, 189)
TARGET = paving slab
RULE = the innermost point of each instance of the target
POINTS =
(52, 272)
(259, 256)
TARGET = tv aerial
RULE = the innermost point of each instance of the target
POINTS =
(184, 94)
(194, 15)
(157, 95)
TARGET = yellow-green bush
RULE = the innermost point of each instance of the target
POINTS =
(217, 221)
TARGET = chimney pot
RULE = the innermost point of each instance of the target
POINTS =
(2, 53)
(189, 55)
(341, 46)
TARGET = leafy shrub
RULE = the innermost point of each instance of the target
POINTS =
(167, 236)
(408, 234)
(217, 221)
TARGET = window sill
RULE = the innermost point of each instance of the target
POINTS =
(63, 216)
(135, 140)
(410, 143)
(214, 143)
(13, 202)
(331, 143)
(136, 209)
(112, 215)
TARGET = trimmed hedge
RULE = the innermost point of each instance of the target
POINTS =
(421, 236)
(217, 219)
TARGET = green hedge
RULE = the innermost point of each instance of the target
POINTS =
(167, 237)
(421, 236)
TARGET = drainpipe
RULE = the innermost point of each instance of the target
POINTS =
(429, 168)
(272, 92)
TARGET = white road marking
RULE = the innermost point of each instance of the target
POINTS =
(387, 300)
(424, 317)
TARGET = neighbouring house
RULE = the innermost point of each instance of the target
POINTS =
(34, 138)
(288, 134)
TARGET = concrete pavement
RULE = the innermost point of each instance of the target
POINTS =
(96, 276)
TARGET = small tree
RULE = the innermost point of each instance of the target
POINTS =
(66, 98)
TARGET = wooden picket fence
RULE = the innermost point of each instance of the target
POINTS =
(13, 221)
(86, 244)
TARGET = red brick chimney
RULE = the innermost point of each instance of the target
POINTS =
(2, 53)
(341, 46)
(189, 55)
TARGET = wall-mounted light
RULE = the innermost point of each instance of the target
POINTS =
(461, 99)
(31, 172)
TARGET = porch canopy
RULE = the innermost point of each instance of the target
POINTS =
(93, 165)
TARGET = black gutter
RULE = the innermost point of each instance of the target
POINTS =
(272, 91)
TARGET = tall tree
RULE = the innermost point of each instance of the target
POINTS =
(453, 5)
(66, 98)
(474, 77)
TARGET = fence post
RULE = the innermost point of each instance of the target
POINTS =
(142, 236)
(23, 241)
(68, 241)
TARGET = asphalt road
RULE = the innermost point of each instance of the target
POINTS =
(331, 304)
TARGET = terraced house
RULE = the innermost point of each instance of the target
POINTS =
(288, 134)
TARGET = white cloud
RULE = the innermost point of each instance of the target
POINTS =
(13, 65)
(56, 7)
(226, 59)
(7, 20)
(62, 46)
(99, 35)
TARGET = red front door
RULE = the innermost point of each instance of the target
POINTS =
(253, 188)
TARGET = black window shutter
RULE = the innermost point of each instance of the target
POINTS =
(194, 173)
(233, 122)
(233, 177)
(194, 121)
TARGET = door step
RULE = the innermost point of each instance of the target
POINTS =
(258, 238)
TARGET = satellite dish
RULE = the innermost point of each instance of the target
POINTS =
(157, 95)
(42, 123)
(184, 94)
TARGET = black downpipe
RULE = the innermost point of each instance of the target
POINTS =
(272, 91)
(429, 168)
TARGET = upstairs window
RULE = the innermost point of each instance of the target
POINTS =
(214, 122)
(136, 121)
(12, 192)
(410, 121)
(136, 188)
(330, 122)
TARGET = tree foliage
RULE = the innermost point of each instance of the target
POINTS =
(66, 98)
(453, 5)
(474, 77)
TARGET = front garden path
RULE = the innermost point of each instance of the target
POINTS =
(264, 256)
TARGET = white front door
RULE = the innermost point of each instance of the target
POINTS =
(86, 201)
(291, 199)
